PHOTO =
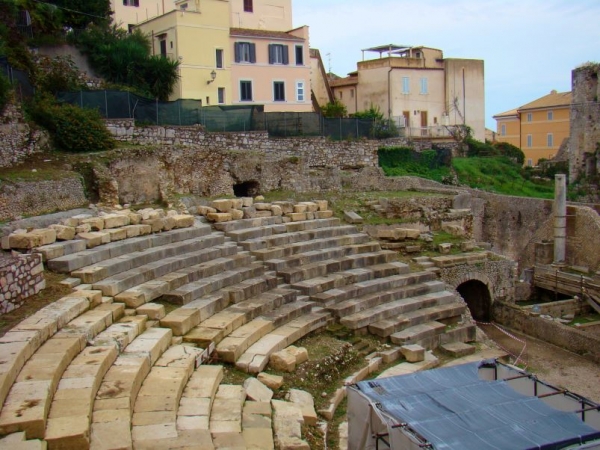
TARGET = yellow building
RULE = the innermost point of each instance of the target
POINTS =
(419, 88)
(538, 128)
(198, 37)
(128, 13)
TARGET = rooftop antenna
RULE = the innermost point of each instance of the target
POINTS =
(329, 61)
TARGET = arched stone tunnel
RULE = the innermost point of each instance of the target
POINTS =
(478, 298)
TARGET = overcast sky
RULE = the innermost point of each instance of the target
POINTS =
(529, 46)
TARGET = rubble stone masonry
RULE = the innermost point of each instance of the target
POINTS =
(20, 277)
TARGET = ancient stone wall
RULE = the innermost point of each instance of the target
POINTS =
(17, 138)
(23, 198)
(580, 342)
(498, 275)
(584, 158)
(20, 277)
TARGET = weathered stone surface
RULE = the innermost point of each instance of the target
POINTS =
(413, 353)
(219, 217)
(236, 214)
(306, 403)
(352, 217)
(95, 223)
(273, 382)
(95, 238)
(257, 391)
(222, 205)
(63, 232)
(116, 220)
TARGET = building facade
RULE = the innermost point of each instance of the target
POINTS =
(538, 128)
(423, 92)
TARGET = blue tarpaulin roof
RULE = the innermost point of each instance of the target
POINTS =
(453, 408)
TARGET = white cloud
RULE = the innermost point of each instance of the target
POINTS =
(529, 46)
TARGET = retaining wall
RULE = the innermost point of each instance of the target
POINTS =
(18, 139)
(20, 277)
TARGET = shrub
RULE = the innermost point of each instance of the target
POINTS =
(72, 129)
(58, 75)
(334, 110)
(5, 92)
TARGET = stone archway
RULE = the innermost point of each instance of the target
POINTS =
(247, 189)
(478, 298)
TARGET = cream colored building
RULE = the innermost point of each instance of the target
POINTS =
(416, 86)
(273, 15)
(538, 128)
(198, 37)
(127, 13)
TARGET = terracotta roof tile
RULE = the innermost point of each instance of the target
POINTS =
(548, 101)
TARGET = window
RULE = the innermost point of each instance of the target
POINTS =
(529, 141)
(424, 89)
(550, 115)
(529, 163)
(300, 91)
(550, 140)
(221, 95)
(529, 117)
(503, 130)
(279, 91)
(131, 3)
(246, 91)
(219, 58)
(245, 52)
(299, 55)
(341, 95)
(351, 93)
(405, 85)
(163, 48)
(207, 100)
(278, 54)
(248, 7)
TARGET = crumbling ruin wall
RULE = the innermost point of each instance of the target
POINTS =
(584, 154)
(17, 139)
(20, 277)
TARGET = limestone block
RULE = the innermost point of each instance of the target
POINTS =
(412, 233)
(283, 361)
(154, 311)
(183, 220)
(306, 403)
(117, 234)
(96, 223)
(222, 205)
(247, 201)
(219, 217)
(468, 246)
(276, 210)
(83, 228)
(323, 214)
(249, 212)
(262, 206)
(47, 235)
(181, 320)
(156, 224)
(24, 241)
(5, 243)
(310, 215)
(300, 353)
(168, 223)
(236, 203)
(116, 220)
(266, 213)
(322, 204)
(257, 391)
(412, 249)
(236, 214)
(205, 210)
(300, 208)
(413, 353)
(286, 207)
(63, 232)
(94, 238)
(259, 198)
(70, 222)
(297, 217)
(310, 206)
(273, 382)
(258, 439)
(352, 218)
(135, 218)
(445, 248)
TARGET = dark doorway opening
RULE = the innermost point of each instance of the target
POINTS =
(247, 189)
(478, 298)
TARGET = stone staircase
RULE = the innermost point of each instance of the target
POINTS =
(106, 367)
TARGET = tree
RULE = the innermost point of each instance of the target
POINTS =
(81, 13)
(334, 110)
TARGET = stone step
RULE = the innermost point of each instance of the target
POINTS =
(226, 413)
(247, 223)
(328, 266)
(197, 399)
(220, 325)
(310, 245)
(235, 344)
(151, 290)
(458, 349)
(251, 287)
(439, 313)
(302, 259)
(417, 333)
(289, 238)
(23, 340)
(394, 309)
(257, 426)
(338, 280)
(349, 307)
(17, 441)
(71, 262)
(290, 311)
(117, 395)
(463, 258)
(287, 425)
(372, 286)
(41, 374)
(256, 358)
(128, 279)
(71, 411)
(256, 232)
(154, 420)
(192, 291)
(58, 249)
(306, 225)
(110, 267)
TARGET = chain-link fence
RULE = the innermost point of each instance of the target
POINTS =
(18, 78)
(121, 104)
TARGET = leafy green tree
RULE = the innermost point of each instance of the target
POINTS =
(511, 151)
(81, 13)
(334, 110)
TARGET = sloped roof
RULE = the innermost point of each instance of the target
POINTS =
(553, 99)
(511, 113)
(248, 32)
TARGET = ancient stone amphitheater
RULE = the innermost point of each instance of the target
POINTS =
(107, 368)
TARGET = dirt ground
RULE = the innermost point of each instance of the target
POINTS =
(552, 364)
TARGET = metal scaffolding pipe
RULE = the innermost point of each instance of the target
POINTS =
(560, 219)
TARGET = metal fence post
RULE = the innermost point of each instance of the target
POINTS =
(179, 111)
(157, 111)
(340, 138)
(129, 104)
(106, 105)
(81, 99)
